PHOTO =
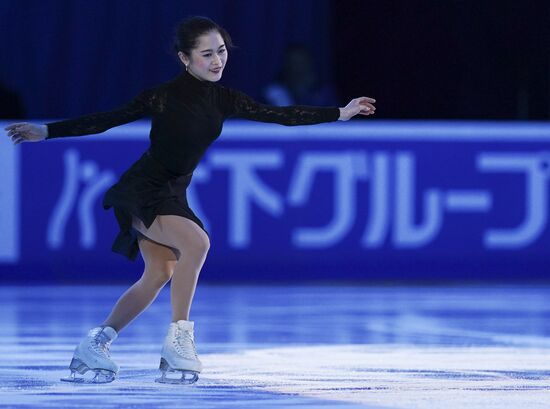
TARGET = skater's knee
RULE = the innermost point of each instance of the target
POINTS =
(184, 234)
(158, 273)
(160, 261)
(154, 282)
(196, 246)
(200, 245)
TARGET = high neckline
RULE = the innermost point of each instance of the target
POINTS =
(187, 78)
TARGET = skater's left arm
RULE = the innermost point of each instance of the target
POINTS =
(361, 106)
(238, 104)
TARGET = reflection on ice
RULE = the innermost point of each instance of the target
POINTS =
(301, 346)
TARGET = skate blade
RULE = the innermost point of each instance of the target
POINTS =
(187, 377)
(81, 373)
(98, 376)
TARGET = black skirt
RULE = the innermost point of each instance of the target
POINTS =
(146, 190)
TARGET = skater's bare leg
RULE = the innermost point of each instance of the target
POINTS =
(193, 244)
(159, 262)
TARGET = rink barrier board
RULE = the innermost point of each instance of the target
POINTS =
(380, 200)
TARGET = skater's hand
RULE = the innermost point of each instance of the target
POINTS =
(362, 106)
(26, 132)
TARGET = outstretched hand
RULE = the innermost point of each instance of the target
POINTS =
(361, 106)
(26, 132)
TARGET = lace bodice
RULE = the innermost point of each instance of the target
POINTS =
(187, 116)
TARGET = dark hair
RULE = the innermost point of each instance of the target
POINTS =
(190, 29)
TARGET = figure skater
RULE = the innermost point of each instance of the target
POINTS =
(149, 200)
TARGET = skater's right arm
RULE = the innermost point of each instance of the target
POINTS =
(101, 121)
(83, 125)
(26, 132)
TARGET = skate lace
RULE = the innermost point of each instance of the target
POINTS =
(101, 343)
(184, 344)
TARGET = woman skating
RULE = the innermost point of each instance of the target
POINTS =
(149, 200)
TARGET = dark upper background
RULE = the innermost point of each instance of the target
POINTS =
(470, 59)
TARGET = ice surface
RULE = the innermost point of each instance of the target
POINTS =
(289, 347)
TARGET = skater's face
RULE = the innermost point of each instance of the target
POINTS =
(208, 59)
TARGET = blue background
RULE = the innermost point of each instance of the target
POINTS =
(421, 59)
(441, 157)
(464, 62)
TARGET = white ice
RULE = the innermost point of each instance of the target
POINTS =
(289, 347)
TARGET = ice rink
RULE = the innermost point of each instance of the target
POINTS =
(266, 346)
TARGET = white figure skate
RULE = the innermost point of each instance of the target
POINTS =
(92, 354)
(179, 355)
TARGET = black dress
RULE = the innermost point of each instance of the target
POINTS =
(187, 116)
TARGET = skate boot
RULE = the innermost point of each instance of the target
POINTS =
(92, 354)
(179, 355)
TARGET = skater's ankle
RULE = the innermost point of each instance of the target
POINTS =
(175, 320)
(110, 326)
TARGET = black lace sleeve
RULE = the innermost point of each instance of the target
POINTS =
(99, 122)
(239, 104)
